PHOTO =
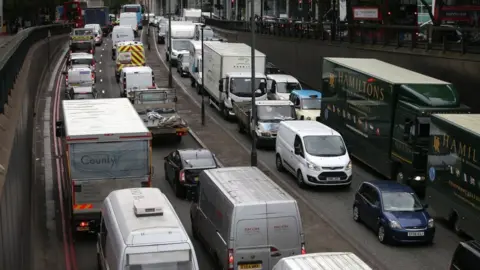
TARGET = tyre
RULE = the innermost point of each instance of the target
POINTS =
(381, 235)
(300, 181)
(356, 214)
(278, 163)
(225, 113)
(179, 190)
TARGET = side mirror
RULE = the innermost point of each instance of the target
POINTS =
(64, 73)
(297, 150)
(59, 129)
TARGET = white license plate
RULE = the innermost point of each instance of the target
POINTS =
(416, 233)
(333, 178)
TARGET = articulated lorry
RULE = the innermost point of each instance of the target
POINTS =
(228, 75)
(383, 113)
(269, 115)
(106, 147)
(453, 189)
(157, 108)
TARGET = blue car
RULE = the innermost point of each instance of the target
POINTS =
(394, 212)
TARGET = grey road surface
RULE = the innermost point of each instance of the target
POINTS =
(336, 206)
(85, 249)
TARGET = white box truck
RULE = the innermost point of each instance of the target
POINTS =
(106, 147)
(228, 74)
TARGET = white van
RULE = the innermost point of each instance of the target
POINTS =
(162, 30)
(129, 19)
(314, 153)
(208, 33)
(120, 34)
(136, 78)
(246, 219)
(181, 36)
(139, 229)
(279, 86)
(322, 261)
(79, 75)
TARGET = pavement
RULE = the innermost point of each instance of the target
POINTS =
(326, 213)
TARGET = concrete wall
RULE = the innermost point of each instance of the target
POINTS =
(303, 59)
(16, 133)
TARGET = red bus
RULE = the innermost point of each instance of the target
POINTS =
(73, 12)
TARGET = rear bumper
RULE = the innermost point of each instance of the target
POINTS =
(91, 219)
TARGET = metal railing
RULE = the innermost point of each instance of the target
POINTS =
(426, 37)
(11, 59)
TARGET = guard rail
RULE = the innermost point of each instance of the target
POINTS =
(444, 38)
(15, 52)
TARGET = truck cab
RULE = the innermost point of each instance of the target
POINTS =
(307, 104)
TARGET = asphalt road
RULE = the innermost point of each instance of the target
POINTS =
(85, 250)
(336, 207)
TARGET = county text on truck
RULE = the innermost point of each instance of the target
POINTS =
(107, 147)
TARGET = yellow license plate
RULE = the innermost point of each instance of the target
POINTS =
(82, 229)
(196, 178)
(250, 266)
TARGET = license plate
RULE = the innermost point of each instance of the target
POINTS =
(256, 266)
(196, 179)
(416, 233)
(83, 229)
(333, 178)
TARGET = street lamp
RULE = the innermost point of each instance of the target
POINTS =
(253, 154)
(202, 89)
(170, 83)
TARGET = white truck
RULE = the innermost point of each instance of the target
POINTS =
(228, 74)
(129, 19)
(192, 14)
(107, 147)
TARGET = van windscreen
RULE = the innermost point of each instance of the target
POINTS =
(325, 146)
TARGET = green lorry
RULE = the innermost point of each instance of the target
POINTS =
(453, 189)
(383, 113)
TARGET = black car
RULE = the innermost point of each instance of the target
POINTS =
(182, 168)
(466, 256)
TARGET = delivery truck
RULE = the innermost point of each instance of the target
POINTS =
(228, 75)
(453, 189)
(106, 147)
(98, 15)
(264, 126)
(383, 113)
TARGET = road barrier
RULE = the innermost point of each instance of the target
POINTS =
(426, 37)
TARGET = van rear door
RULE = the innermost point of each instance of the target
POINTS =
(139, 79)
(251, 245)
(284, 238)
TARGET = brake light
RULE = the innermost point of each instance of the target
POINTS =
(91, 51)
(93, 76)
(66, 78)
(303, 251)
(182, 176)
(273, 249)
(230, 259)
(124, 84)
(83, 224)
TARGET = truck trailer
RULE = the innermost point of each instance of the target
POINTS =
(228, 74)
(106, 147)
(453, 189)
(383, 113)
(98, 15)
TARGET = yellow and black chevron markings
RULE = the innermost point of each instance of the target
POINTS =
(82, 38)
(137, 55)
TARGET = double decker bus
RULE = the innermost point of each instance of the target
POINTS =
(137, 8)
(73, 12)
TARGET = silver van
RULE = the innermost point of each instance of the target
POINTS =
(245, 219)
(323, 261)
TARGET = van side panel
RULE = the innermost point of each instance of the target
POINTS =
(251, 243)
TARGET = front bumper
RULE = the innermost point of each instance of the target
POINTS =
(401, 235)
(342, 179)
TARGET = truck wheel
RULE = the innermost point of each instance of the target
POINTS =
(226, 116)
(300, 182)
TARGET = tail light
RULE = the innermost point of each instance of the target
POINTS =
(66, 78)
(124, 84)
(153, 80)
(83, 224)
(273, 249)
(230, 259)
(182, 176)
(91, 51)
(303, 251)
(93, 64)
(93, 76)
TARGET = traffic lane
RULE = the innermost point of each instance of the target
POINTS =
(107, 80)
(182, 207)
(336, 205)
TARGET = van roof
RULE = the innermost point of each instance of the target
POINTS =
(99, 118)
(143, 230)
(122, 27)
(231, 49)
(384, 71)
(274, 102)
(326, 261)
(76, 68)
(82, 89)
(142, 69)
(306, 127)
(307, 93)
(81, 56)
(468, 122)
(247, 185)
(282, 78)
(196, 44)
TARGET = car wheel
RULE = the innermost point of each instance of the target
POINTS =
(99, 263)
(381, 235)
(300, 181)
(302, 118)
(179, 190)
(225, 113)
(278, 163)
(165, 171)
(194, 229)
(356, 214)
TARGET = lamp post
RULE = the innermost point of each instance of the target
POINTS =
(170, 83)
(253, 154)
(202, 89)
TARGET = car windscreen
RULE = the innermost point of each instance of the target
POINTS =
(287, 87)
(242, 87)
(81, 46)
(83, 96)
(82, 32)
(84, 61)
(180, 45)
(401, 201)
(324, 146)
(186, 58)
(274, 113)
(311, 104)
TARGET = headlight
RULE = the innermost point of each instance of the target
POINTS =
(395, 225)
(419, 178)
(349, 166)
(312, 166)
(431, 223)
